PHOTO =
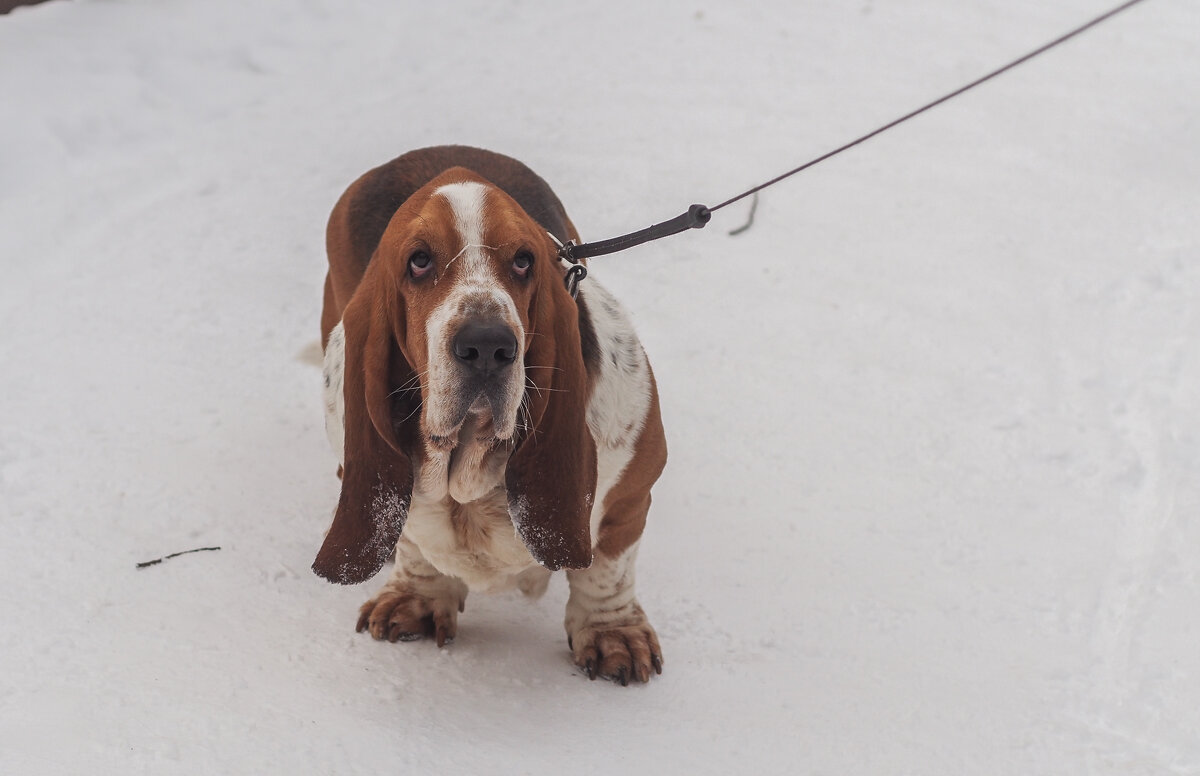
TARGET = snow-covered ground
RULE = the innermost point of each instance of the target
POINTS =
(933, 503)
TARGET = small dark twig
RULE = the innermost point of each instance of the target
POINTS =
(156, 561)
(749, 218)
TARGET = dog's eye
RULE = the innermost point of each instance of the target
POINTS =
(522, 262)
(420, 263)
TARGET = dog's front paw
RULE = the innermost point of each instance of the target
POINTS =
(621, 650)
(401, 614)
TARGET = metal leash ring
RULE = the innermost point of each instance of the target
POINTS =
(575, 273)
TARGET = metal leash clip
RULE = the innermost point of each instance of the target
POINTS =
(576, 272)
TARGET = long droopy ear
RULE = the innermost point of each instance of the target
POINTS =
(377, 477)
(551, 475)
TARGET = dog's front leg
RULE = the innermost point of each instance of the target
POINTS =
(417, 601)
(607, 630)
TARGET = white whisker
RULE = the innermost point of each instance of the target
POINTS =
(409, 415)
(408, 384)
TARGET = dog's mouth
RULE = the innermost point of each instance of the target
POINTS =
(474, 419)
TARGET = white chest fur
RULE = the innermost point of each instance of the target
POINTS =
(459, 516)
(475, 542)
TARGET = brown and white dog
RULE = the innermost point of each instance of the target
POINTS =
(491, 429)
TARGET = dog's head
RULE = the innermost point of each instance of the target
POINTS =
(462, 314)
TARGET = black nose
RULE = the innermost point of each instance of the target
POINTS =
(486, 347)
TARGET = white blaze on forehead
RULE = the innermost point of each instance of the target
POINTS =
(467, 201)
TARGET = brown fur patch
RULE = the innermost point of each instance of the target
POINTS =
(628, 501)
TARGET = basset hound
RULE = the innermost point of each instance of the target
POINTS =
(490, 428)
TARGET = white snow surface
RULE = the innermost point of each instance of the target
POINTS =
(933, 503)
